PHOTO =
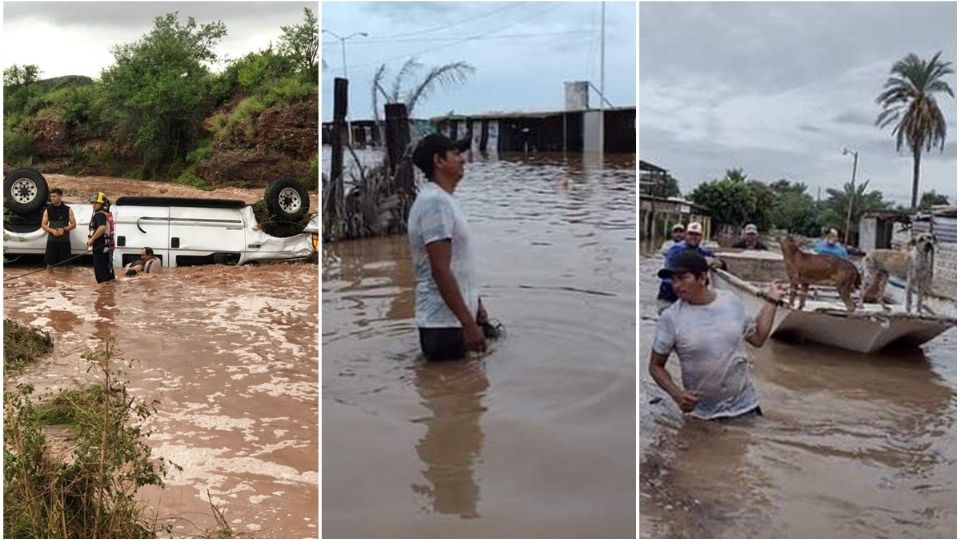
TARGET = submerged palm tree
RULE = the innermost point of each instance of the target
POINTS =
(908, 100)
(445, 75)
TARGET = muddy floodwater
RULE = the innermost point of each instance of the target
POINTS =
(231, 354)
(850, 446)
(535, 439)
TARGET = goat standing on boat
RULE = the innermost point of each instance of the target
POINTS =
(805, 269)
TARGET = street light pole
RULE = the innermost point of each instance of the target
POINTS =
(343, 56)
(603, 46)
(853, 192)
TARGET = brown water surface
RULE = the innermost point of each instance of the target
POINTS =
(850, 446)
(536, 439)
(230, 353)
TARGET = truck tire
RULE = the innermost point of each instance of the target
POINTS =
(287, 200)
(24, 191)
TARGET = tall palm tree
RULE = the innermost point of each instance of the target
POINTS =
(444, 75)
(908, 101)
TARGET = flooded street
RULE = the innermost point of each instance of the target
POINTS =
(850, 446)
(230, 353)
(536, 439)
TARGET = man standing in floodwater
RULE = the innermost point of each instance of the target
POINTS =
(58, 221)
(691, 242)
(707, 329)
(98, 237)
(448, 308)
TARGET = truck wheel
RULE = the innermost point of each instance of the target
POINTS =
(287, 200)
(24, 191)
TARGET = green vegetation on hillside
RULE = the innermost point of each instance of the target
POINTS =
(145, 116)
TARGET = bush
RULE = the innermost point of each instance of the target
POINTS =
(17, 146)
(288, 90)
(243, 116)
(94, 494)
(23, 345)
(313, 179)
(200, 153)
(189, 177)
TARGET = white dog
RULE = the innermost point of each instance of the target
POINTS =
(915, 265)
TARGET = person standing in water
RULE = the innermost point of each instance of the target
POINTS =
(707, 329)
(57, 221)
(449, 312)
(97, 240)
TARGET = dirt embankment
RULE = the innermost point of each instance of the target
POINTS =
(285, 141)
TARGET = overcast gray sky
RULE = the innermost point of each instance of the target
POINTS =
(779, 89)
(522, 51)
(75, 38)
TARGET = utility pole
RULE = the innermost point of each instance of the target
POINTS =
(343, 56)
(853, 191)
(603, 43)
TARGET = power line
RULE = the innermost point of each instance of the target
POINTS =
(448, 26)
(501, 36)
(464, 40)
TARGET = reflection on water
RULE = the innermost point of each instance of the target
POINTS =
(514, 443)
(849, 446)
(453, 393)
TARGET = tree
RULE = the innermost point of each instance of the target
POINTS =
(17, 75)
(159, 90)
(833, 210)
(302, 43)
(932, 198)
(445, 75)
(908, 102)
(794, 209)
(736, 200)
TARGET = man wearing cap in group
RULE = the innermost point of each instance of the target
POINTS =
(707, 329)
(97, 239)
(448, 307)
(830, 246)
(691, 241)
(750, 239)
(676, 237)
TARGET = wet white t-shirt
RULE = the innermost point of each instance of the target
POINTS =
(435, 215)
(709, 339)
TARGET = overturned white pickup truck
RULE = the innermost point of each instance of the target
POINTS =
(181, 231)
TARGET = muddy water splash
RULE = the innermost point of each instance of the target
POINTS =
(850, 446)
(535, 439)
(230, 352)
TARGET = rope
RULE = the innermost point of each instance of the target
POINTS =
(48, 267)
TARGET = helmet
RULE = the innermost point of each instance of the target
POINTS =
(98, 197)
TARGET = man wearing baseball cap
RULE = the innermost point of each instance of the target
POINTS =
(676, 237)
(750, 239)
(707, 329)
(691, 241)
(448, 307)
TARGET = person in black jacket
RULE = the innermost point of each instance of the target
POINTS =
(750, 239)
(57, 221)
(99, 239)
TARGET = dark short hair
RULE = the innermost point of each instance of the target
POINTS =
(56, 191)
(434, 144)
(148, 250)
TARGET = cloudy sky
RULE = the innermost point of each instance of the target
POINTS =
(522, 51)
(75, 38)
(779, 89)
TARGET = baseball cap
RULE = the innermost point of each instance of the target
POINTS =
(695, 228)
(687, 260)
(678, 227)
(750, 229)
(433, 144)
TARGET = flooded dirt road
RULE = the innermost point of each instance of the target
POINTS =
(850, 446)
(230, 353)
(536, 439)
